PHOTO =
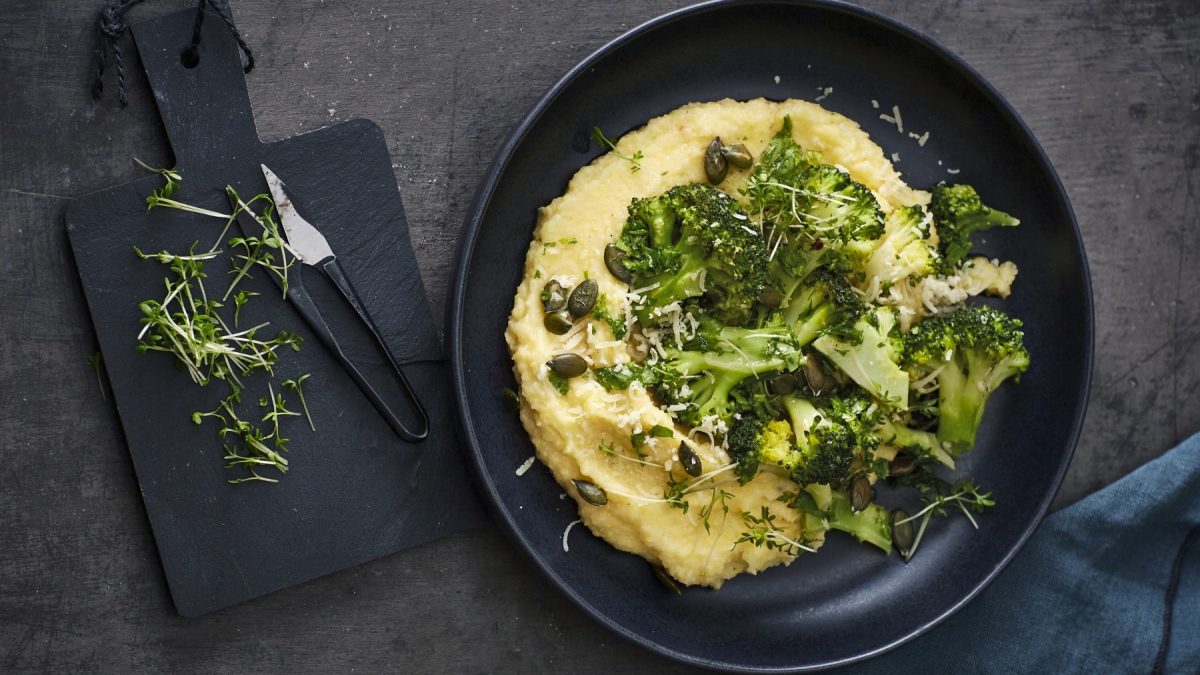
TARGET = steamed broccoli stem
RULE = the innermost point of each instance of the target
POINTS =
(808, 313)
(923, 444)
(659, 216)
(963, 394)
(803, 415)
(872, 362)
(872, 525)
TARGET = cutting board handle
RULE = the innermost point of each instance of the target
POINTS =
(205, 109)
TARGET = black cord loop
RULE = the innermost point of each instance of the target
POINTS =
(111, 25)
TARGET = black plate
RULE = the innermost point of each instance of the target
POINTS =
(848, 602)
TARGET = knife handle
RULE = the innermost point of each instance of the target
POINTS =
(304, 304)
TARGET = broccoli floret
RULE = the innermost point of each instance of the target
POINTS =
(873, 362)
(815, 448)
(958, 213)
(904, 252)
(824, 303)
(702, 376)
(816, 212)
(830, 438)
(754, 441)
(973, 351)
(692, 242)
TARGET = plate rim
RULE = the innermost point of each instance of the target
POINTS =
(466, 248)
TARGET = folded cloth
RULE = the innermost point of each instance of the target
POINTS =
(1110, 584)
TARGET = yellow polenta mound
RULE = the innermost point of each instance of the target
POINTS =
(572, 431)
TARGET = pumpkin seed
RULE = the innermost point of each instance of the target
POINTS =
(901, 465)
(554, 296)
(614, 260)
(556, 323)
(716, 167)
(738, 155)
(666, 579)
(511, 398)
(860, 493)
(815, 375)
(591, 493)
(567, 365)
(690, 460)
(784, 383)
(583, 298)
(902, 533)
(771, 297)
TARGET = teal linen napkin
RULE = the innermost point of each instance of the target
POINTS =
(1110, 584)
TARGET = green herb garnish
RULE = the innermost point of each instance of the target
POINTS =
(761, 531)
(297, 385)
(604, 142)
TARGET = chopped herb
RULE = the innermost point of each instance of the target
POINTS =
(638, 440)
(621, 375)
(616, 324)
(659, 431)
(607, 448)
(560, 383)
(565, 241)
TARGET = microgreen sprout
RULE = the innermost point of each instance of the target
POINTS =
(964, 495)
(260, 250)
(171, 181)
(297, 385)
(762, 531)
(719, 497)
(187, 324)
(239, 301)
(603, 141)
(96, 361)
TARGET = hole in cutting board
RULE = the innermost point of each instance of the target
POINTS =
(189, 57)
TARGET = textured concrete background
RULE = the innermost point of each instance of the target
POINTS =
(1110, 88)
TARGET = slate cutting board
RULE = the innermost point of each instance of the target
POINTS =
(354, 490)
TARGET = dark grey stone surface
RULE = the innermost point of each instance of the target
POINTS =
(1110, 88)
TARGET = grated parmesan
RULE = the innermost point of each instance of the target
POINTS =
(567, 532)
(526, 465)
